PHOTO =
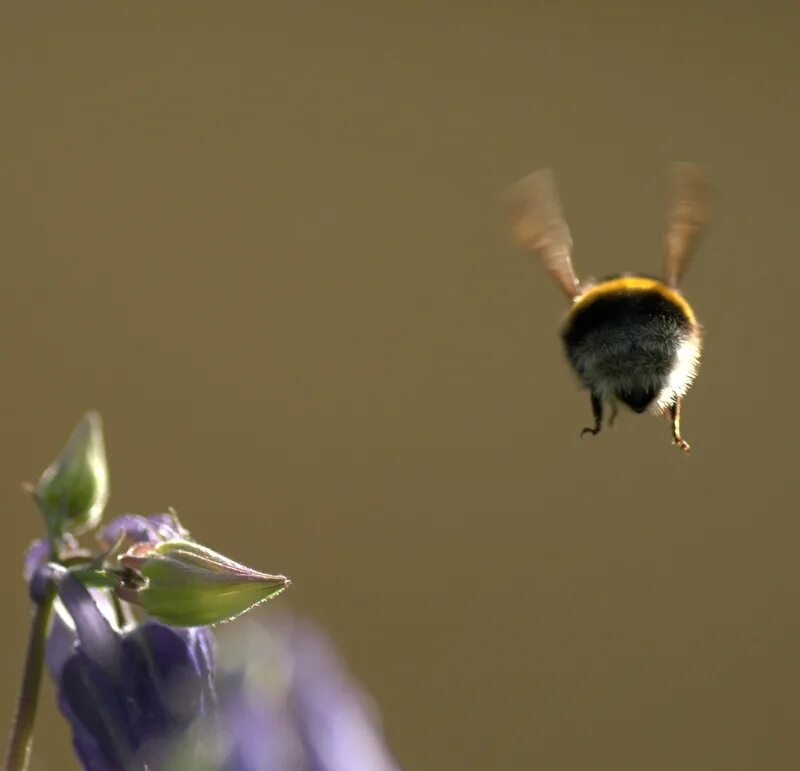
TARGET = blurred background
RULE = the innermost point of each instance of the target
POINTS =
(263, 240)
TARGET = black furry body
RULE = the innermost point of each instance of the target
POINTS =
(636, 342)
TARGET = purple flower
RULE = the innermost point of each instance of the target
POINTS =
(143, 697)
(288, 703)
(128, 691)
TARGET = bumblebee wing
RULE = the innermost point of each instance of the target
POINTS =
(537, 225)
(689, 212)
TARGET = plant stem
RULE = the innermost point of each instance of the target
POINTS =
(22, 729)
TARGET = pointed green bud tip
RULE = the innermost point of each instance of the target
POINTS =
(185, 584)
(73, 490)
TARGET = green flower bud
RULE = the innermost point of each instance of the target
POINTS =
(73, 491)
(184, 584)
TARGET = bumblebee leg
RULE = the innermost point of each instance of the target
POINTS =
(614, 411)
(597, 411)
(675, 416)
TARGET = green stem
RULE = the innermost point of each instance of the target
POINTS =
(118, 611)
(22, 730)
(98, 579)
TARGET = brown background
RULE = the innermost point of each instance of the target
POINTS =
(262, 239)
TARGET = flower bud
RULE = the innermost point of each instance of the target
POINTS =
(185, 584)
(73, 491)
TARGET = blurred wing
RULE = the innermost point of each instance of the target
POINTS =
(689, 212)
(538, 226)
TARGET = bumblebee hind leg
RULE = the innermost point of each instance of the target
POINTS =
(675, 417)
(614, 411)
(597, 411)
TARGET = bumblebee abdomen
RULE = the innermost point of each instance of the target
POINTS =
(633, 339)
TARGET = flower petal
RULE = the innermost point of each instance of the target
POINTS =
(92, 703)
(98, 641)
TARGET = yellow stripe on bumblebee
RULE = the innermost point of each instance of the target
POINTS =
(630, 284)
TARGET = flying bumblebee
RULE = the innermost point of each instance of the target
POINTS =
(630, 338)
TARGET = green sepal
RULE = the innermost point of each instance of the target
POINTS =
(185, 584)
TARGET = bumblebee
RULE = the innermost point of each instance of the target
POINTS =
(630, 338)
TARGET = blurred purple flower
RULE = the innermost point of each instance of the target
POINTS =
(288, 703)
